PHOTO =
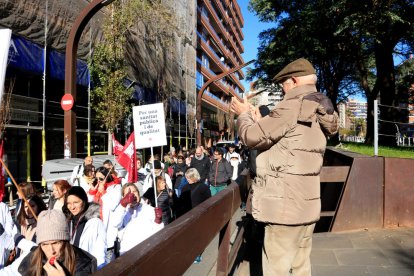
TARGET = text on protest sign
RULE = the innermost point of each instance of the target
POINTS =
(149, 126)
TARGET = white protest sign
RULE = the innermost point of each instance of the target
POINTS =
(149, 125)
(5, 37)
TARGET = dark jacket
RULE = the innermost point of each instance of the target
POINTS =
(164, 201)
(220, 172)
(202, 166)
(179, 167)
(191, 196)
(85, 263)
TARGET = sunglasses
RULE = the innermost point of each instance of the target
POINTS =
(100, 178)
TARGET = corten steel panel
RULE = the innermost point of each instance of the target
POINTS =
(399, 192)
(173, 249)
(361, 205)
(334, 173)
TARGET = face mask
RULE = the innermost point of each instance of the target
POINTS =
(234, 162)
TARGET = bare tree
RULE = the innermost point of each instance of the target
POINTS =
(5, 112)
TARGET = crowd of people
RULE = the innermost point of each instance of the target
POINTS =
(94, 216)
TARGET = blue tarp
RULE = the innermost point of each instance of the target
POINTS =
(178, 106)
(28, 56)
(149, 96)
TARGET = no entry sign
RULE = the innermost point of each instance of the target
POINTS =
(67, 102)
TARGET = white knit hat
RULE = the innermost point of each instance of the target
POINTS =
(51, 225)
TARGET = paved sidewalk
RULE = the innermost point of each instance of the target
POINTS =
(372, 252)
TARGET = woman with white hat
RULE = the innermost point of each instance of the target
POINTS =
(54, 254)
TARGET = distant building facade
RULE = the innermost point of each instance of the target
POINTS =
(219, 48)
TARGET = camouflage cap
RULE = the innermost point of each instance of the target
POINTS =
(297, 68)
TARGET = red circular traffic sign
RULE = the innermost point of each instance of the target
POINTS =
(67, 102)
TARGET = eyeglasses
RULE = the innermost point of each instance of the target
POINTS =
(100, 178)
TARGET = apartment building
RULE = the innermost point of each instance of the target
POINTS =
(219, 48)
(350, 112)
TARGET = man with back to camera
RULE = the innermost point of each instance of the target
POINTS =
(77, 172)
(291, 143)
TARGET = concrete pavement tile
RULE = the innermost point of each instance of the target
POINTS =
(391, 271)
(323, 257)
(404, 239)
(400, 257)
(340, 270)
(331, 242)
(387, 241)
(361, 257)
(364, 242)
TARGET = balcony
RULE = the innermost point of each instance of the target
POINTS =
(209, 74)
(215, 101)
(236, 19)
(221, 85)
(206, 24)
(236, 8)
(216, 59)
(213, 13)
(229, 20)
(220, 25)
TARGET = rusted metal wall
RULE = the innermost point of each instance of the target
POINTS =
(378, 192)
(361, 205)
(399, 192)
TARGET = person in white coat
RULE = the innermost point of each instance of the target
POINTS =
(85, 227)
(77, 172)
(6, 228)
(107, 195)
(135, 221)
(158, 171)
(88, 180)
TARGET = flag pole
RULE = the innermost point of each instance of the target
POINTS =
(154, 183)
(18, 189)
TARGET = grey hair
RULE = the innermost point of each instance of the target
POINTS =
(192, 174)
(311, 79)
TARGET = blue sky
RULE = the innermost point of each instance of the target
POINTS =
(251, 30)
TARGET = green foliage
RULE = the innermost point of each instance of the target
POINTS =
(399, 152)
(350, 42)
(108, 69)
(109, 65)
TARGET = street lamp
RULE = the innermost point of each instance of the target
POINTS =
(70, 70)
(203, 88)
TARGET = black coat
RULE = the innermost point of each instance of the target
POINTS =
(179, 167)
(191, 196)
(202, 166)
(85, 263)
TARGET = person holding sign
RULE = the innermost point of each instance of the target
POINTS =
(158, 171)
(164, 199)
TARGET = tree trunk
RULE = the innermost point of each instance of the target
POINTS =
(387, 92)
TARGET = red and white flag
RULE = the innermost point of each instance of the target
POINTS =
(117, 147)
(127, 158)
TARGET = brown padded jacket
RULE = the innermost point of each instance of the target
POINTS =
(291, 143)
